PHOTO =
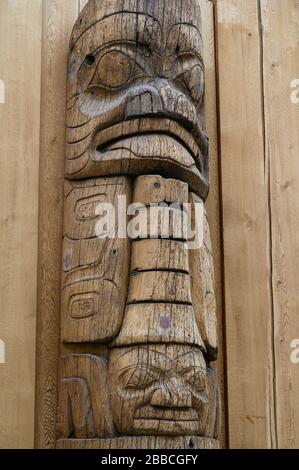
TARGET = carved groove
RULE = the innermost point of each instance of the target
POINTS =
(135, 129)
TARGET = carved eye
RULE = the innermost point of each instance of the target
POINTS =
(197, 380)
(114, 69)
(89, 59)
(194, 81)
(141, 378)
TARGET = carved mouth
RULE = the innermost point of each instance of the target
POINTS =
(162, 426)
(104, 139)
(152, 413)
(147, 145)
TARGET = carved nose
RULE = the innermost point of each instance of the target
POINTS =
(172, 395)
(161, 96)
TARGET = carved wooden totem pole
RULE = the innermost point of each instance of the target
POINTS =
(138, 332)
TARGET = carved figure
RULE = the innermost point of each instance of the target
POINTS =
(136, 134)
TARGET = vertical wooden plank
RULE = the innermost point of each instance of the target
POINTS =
(213, 203)
(20, 55)
(58, 19)
(246, 239)
(281, 66)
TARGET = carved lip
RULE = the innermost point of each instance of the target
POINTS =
(174, 427)
(152, 413)
(153, 125)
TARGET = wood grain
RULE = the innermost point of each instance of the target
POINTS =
(247, 264)
(84, 410)
(20, 39)
(95, 265)
(203, 288)
(58, 19)
(141, 442)
(129, 113)
(159, 286)
(213, 206)
(280, 22)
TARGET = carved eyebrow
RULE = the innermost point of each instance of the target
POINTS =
(193, 369)
(125, 42)
(145, 367)
(183, 355)
(190, 43)
(125, 12)
(189, 25)
(148, 352)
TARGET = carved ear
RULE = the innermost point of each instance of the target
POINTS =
(84, 409)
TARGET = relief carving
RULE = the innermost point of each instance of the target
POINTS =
(136, 131)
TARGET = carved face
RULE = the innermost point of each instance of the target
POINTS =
(158, 389)
(129, 65)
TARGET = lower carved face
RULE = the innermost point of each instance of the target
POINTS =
(158, 389)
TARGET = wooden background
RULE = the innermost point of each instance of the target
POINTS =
(251, 56)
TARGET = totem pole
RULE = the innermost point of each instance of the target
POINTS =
(138, 329)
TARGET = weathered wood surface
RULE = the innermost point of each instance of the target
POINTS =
(203, 289)
(116, 76)
(84, 410)
(95, 270)
(141, 442)
(135, 107)
(213, 204)
(279, 47)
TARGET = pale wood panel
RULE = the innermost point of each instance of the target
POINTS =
(247, 264)
(281, 66)
(20, 55)
(58, 19)
(213, 205)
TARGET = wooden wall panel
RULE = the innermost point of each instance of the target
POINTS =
(280, 21)
(258, 128)
(20, 56)
(58, 19)
(213, 203)
(246, 234)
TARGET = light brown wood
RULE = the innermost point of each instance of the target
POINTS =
(203, 288)
(129, 113)
(150, 190)
(58, 19)
(84, 410)
(108, 75)
(160, 389)
(160, 286)
(280, 22)
(246, 228)
(159, 254)
(56, 24)
(20, 40)
(159, 322)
